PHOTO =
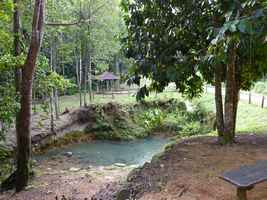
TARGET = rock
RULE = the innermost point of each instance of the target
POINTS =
(74, 169)
(110, 168)
(120, 165)
(68, 154)
(29, 187)
(89, 167)
(49, 192)
(34, 162)
(123, 194)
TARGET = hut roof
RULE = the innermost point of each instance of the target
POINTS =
(108, 76)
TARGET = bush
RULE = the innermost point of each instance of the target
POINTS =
(193, 129)
(153, 119)
(4, 153)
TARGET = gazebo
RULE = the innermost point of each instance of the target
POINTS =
(106, 81)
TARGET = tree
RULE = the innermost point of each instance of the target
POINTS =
(193, 42)
(24, 115)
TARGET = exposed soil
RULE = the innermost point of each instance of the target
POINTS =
(62, 176)
(189, 170)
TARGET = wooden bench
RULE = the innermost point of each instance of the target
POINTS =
(246, 178)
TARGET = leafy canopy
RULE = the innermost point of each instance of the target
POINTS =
(182, 41)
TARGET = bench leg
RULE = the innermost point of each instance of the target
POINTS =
(241, 194)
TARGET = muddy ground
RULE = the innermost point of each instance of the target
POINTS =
(189, 170)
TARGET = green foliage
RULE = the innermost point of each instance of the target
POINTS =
(183, 41)
(4, 153)
(153, 119)
(6, 8)
(192, 129)
(46, 80)
(9, 62)
(8, 108)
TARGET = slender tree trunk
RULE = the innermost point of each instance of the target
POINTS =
(78, 77)
(231, 98)
(52, 123)
(51, 98)
(85, 69)
(117, 82)
(54, 69)
(17, 47)
(56, 102)
(24, 116)
(219, 103)
(90, 78)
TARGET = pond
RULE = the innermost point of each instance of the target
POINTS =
(104, 153)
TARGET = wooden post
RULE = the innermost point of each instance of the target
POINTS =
(241, 194)
(249, 98)
(262, 103)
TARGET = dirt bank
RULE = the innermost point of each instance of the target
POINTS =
(108, 121)
(190, 170)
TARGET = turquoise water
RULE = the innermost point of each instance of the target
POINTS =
(103, 153)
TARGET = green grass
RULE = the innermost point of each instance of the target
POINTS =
(73, 101)
(250, 118)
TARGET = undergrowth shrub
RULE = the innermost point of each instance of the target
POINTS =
(193, 129)
(153, 119)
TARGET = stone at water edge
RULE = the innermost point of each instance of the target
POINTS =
(68, 154)
(110, 168)
(123, 194)
(120, 165)
(74, 169)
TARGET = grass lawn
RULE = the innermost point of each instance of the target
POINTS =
(250, 118)
(73, 101)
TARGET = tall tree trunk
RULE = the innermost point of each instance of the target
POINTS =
(52, 123)
(219, 102)
(231, 96)
(84, 59)
(24, 116)
(90, 77)
(118, 73)
(17, 47)
(78, 76)
(56, 102)
(51, 98)
(54, 69)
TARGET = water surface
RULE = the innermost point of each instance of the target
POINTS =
(103, 153)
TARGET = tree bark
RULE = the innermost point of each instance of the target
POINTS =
(90, 77)
(54, 69)
(231, 98)
(24, 115)
(17, 46)
(219, 103)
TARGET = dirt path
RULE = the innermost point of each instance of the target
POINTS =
(64, 176)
